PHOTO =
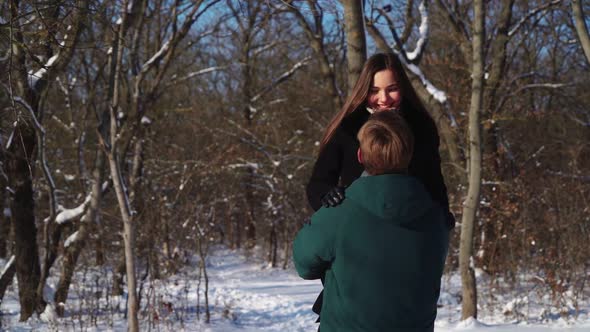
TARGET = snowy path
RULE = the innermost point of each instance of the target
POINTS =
(261, 298)
(247, 295)
(264, 299)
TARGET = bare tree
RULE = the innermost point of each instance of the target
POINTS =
(126, 189)
(26, 87)
(251, 18)
(314, 31)
(95, 178)
(469, 303)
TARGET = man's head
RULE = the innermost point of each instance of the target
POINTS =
(386, 144)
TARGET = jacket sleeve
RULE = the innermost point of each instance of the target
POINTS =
(313, 248)
(326, 172)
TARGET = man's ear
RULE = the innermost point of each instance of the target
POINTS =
(359, 155)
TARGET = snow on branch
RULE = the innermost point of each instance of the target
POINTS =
(27, 20)
(11, 136)
(263, 48)
(7, 266)
(530, 14)
(156, 57)
(194, 74)
(436, 93)
(280, 79)
(415, 54)
(35, 77)
(71, 239)
(410, 59)
(130, 6)
(69, 214)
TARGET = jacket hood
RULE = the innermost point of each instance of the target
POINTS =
(397, 198)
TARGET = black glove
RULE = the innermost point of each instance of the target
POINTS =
(334, 197)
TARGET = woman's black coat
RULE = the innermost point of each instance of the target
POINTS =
(337, 163)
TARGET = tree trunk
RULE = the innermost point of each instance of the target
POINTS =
(99, 248)
(581, 28)
(166, 246)
(6, 277)
(117, 288)
(19, 168)
(4, 209)
(4, 223)
(51, 248)
(72, 253)
(272, 245)
(129, 240)
(249, 176)
(22, 205)
(203, 268)
(490, 131)
(20, 157)
(355, 39)
(469, 304)
(110, 142)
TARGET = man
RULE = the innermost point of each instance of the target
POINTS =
(382, 251)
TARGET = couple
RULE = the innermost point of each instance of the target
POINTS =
(380, 245)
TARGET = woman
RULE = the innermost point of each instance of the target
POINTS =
(382, 86)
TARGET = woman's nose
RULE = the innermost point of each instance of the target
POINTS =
(383, 96)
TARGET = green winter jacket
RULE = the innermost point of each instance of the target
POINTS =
(382, 252)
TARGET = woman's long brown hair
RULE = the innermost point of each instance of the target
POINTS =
(358, 96)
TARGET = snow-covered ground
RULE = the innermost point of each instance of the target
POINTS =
(246, 295)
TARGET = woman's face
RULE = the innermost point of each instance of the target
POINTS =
(384, 93)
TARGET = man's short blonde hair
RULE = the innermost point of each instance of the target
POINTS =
(386, 143)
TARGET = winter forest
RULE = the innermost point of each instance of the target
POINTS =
(154, 156)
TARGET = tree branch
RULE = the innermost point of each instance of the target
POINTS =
(280, 79)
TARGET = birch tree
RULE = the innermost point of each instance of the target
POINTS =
(469, 303)
(581, 28)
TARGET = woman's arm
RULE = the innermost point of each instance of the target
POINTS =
(326, 172)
